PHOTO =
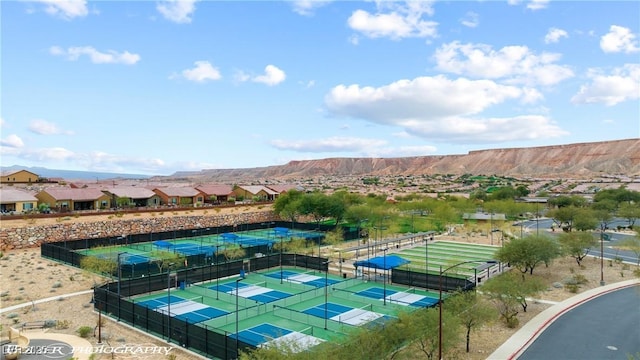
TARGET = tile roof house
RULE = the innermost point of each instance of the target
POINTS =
(132, 196)
(215, 194)
(67, 199)
(18, 201)
(283, 188)
(179, 196)
(254, 192)
(18, 177)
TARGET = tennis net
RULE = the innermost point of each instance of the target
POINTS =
(355, 313)
(401, 295)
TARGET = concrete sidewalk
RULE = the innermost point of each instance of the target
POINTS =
(40, 301)
(519, 342)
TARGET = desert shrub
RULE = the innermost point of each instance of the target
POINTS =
(62, 324)
(572, 288)
(56, 285)
(580, 279)
(50, 323)
(84, 331)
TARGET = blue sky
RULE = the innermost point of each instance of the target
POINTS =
(154, 87)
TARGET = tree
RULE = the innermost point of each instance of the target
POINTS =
(472, 311)
(509, 292)
(629, 211)
(528, 252)
(163, 258)
(503, 193)
(585, 219)
(564, 216)
(632, 244)
(425, 326)
(287, 205)
(233, 252)
(577, 244)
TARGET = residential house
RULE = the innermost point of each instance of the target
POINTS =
(254, 192)
(180, 196)
(18, 177)
(17, 201)
(283, 188)
(66, 199)
(215, 194)
(132, 196)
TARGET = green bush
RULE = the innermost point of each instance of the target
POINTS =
(84, 331)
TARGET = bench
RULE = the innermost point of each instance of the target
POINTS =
(33, 325)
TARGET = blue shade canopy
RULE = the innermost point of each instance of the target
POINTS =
(379, 262)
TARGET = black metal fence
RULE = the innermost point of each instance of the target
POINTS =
(208, 341)
(430, 281)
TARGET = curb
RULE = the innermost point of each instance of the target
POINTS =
(522, 339)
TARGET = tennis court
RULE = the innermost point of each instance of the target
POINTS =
(192, 310)
(295, 308)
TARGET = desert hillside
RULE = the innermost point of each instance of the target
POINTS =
(583, 159)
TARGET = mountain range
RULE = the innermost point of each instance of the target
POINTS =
(621, 157)
(587, 160)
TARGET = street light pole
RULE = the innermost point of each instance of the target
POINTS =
(601, 255)
(326, 287)
(440, 297)
(169, 302)
(384, 278)
(237, 312)
(119, 273)
(281, 275)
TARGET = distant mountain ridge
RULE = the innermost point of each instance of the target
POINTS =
(571, 160)
(72, 174)
(577, 160)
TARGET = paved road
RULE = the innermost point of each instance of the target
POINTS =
(607, 327)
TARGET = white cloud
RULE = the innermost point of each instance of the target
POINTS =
(43, 127)
(65, 9)
(177, 11)
(441, 109)
(272, 76)
(103, 161)
(331, 144)
(47, 154)
(619, 39)
(12, 141)
(97, 57)
(622, 84)
(202, 71)
(2, 122)
(470, 19)
(395, 21)
(554, 35)
(537, 4)
(512, 64)
(307, 7)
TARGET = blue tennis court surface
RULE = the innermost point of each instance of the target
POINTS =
(187, 249)
(398, 297)
(260, 334)
(199, 313)
(270, 296)
(331, 310)
(303, 278)
(160, 301)
(251, 291)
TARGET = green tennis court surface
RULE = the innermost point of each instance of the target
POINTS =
(287, 305)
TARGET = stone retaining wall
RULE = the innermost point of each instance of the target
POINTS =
(33, 236)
